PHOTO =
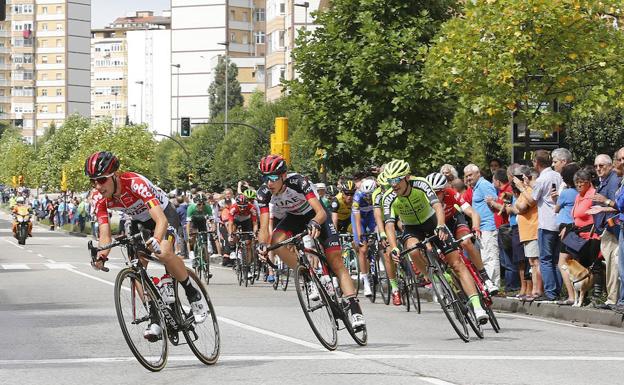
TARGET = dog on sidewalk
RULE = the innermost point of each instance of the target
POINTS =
(581, 280)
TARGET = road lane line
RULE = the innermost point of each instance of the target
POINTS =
(15, 266)
(58, 266)
(323, 356)
(576, 326)
(14, 244)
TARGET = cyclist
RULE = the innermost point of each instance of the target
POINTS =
(196, 214)
(341, 207)
(292, 195)
(21, 208)
(148, 205)
(413, 201)
(242, 216)
(457, 223)
(224, 206)
(362, 221)
(322, 192)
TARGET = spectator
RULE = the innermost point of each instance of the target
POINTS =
(605, 195)
(495, 164)
(548, 231)
(83, 213)
(60, 213)
(619, 205)
(482, 189)
(528, 222)
(565, 202)
(52, 210)
(517, 257)
(458, 185)
(560, 158)
(449, 172)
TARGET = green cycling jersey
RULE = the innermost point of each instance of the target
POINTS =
(377, 196)
(413, 209)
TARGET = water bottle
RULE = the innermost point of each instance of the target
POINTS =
(166, 289)
(326, 281)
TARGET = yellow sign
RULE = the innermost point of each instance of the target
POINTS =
(279, 139)
(63, 181)
(14, 180)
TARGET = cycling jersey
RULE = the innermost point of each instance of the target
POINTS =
(193, 213)
(293, 200)
(377, 197)
(413, 209)
(452, 198)
(362, 203)
(138, 196)
(340, 207)
(239, 214)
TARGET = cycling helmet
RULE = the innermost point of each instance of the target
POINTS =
(19, 200)
(273, 164)
(368, 186)
(436, 180)
(320, 186)
(241, 200)
(347, 187)
(101, 163)
(382, 180)
(396, 168)
(332, 190)
(250, 194)
(199, 198)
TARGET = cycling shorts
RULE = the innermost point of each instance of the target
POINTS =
(295, 224)
(367, 223)
(150, 225)
(458, 225)
(198, 223)
(426, 230)
(344, 226)
(244, 225)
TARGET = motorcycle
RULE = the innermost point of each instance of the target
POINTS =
(21, 231)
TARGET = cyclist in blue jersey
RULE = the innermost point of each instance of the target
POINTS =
(363, 221)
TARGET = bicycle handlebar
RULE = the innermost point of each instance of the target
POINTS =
(288, 241)
(117, 242)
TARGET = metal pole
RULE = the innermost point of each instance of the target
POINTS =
(178, 100)
(227, 73)
(141, 103)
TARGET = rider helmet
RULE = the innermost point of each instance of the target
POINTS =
(436, 180)
(347, 187)
(250, 194)
(368, 186)
(396, 168)
(273, 165)
(19, 200)
(241, 200)
(101, 164)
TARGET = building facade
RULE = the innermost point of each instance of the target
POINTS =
(109, 65)
(44, 63)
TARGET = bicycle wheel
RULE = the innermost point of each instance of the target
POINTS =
(285, 277)
(353, 266)
(136, 309)
(403, 290)
(198, 252)
(204, 339)
(467, 308)
(413, 291)
(359, 335)
(318, 313)
(490, 313)
(206, 265)
(449, 303)
(373, 277)
(384, 280)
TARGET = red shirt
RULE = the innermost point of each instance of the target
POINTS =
(467, 195)
(239, 214)
(450, 199)
(502, 218)
(582, 203)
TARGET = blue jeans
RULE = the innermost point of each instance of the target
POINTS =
(621, 266)
(512, 279)
(549, 258)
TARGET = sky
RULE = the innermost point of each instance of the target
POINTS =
(105, 11)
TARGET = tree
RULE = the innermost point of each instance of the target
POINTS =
(216, 91)
(540, 60)
(16, 157)
(601, 134)
(360, 90)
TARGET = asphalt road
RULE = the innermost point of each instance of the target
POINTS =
(59, 327)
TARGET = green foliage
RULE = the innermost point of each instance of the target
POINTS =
(216, 91)
(16, 157)
(506, 56)
(601, 134)
(360, 90)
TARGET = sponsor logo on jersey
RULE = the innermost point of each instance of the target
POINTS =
(141, 189)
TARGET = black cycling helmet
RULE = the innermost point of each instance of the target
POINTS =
(200, 198)
(241, 200)
(101, 163)
(348, 187)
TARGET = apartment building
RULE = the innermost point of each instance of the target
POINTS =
(109, 65)
(44, 63)
(200, 31)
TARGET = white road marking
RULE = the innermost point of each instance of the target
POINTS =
(50, 260)
(562, 323)
(14, 244)
(15, 266)
(59, 266)
(325, 356)
(30, 251)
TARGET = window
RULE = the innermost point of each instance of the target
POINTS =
(259, 74)
(44, 26)
(43, 43)
(59, 59)
(59, 27)
(282, 8)
(245, 39)
(59, 9)
(59, 76)
(44, 108)
(44, 10)
(59, 92)
(29, 75)
(59, 108)
(233, 37)
(245, 16)
(259, 37)
(281, 36)
(44, 59)
(232, 14)
(59, 43)
(44, 92)
(28, 58)
(44, 76)
(259, 14)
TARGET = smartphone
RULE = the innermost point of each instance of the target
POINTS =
(553, 186)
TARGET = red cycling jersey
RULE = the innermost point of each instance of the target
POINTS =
(138, 196)
(238, 214)
(452, 198)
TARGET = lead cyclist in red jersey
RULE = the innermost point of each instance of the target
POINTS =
(144, 203)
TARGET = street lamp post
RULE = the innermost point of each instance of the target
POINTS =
(115, 110)
(141, 118)
(177, 98)
(227, 73)
(305, 5)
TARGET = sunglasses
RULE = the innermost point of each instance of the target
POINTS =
(100, 180)
(395, 181)
(349, 194)
(272, 178)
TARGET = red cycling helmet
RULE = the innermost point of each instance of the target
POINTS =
(101, 163)
(241, 200)
(272, 164)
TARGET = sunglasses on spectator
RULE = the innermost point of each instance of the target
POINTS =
(395, 181)
(100, 180)
(272, 178)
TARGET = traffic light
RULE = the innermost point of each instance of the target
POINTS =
(185, 127)
(279, 139)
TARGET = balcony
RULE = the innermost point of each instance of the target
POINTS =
(240, 25)
(50, 16)
(237, 47)
(5, 99)
(5, 50)
(50, 83)
(50, 33)
(50, 99)
(50, 115)
(5, 82)
(51, 50)
(4, 33)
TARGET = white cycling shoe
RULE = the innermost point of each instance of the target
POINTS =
(357, 320)
(313, 293)
(491, 287)
(482, 316)
(152, 333)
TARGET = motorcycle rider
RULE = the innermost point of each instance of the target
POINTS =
(21, 208)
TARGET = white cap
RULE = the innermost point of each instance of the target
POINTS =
(321, 186)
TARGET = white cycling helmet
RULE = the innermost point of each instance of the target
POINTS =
(320, 186)
(368, 186)
(436, 180)
(20, 200)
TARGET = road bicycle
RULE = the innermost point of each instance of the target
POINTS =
(407, 283)
(245, 271)
(324, 312)
(449, 292)
(282, 273)
(139, 303)
(350, 259)
(204, 247)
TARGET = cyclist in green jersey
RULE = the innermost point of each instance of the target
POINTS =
(413, 201)
(196, 217)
